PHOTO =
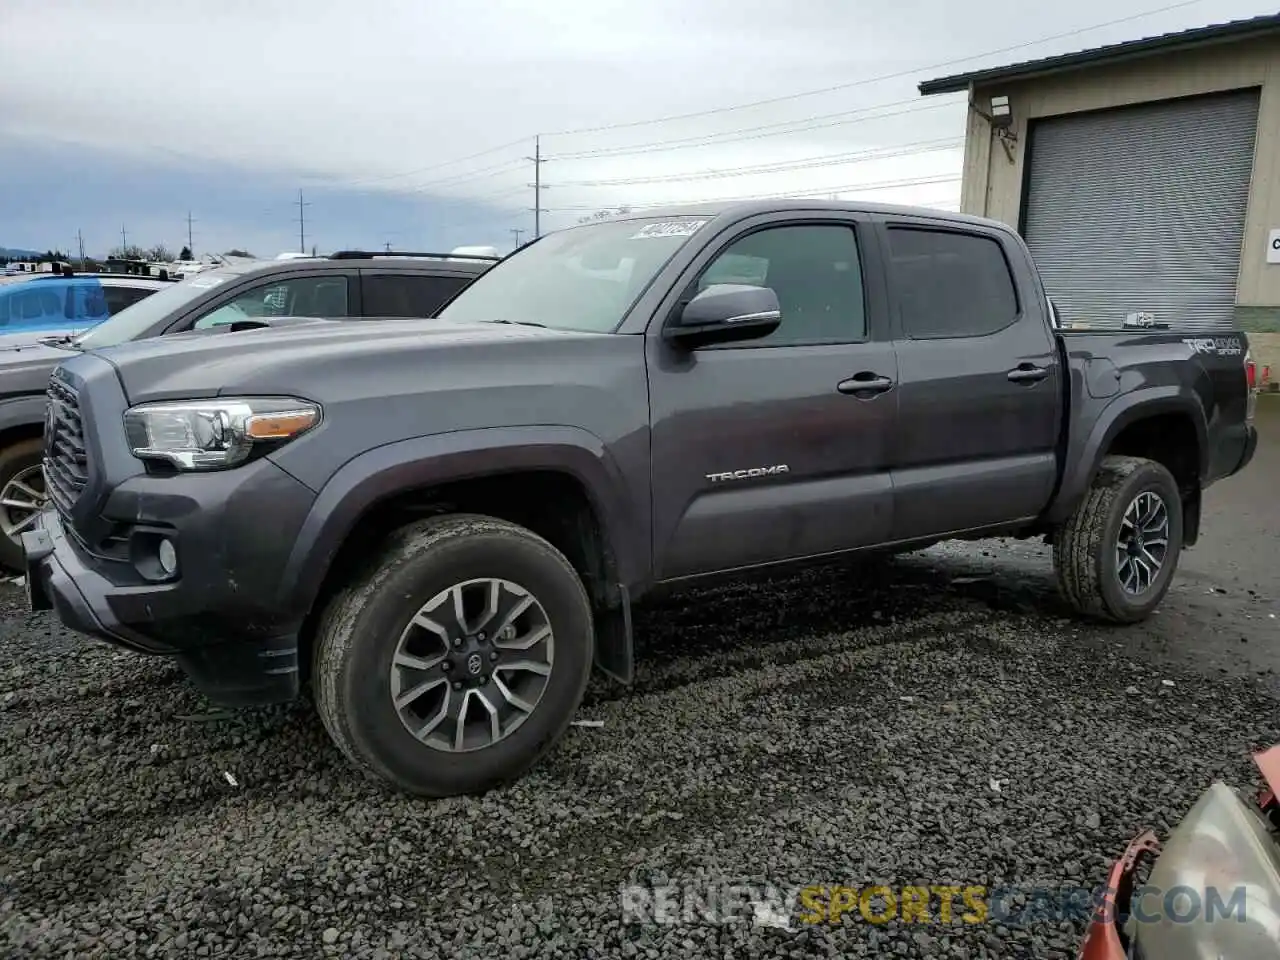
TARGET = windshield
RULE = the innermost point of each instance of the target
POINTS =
(583, 278)
(136, 319)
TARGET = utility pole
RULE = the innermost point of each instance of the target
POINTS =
(190, 237)
(387, 245)
(80, 242)
(515, 232)
(124, 242)
(302, 223)
(537, 185)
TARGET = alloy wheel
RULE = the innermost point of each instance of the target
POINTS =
(472, 664)
(1143, 543)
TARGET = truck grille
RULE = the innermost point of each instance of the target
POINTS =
(66, 465)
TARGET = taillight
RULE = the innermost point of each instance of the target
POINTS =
(1251, 372)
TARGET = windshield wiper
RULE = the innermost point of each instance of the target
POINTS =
(523, 323)
(66, 340)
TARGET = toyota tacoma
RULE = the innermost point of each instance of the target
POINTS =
(439, 527)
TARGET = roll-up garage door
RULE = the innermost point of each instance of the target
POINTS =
(1141, 209)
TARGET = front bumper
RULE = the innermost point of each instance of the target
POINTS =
(221, 616)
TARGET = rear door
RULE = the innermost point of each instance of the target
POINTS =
(387, 293)
(766, 450)
(979, 403)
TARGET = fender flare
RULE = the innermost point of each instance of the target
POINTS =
(420, 462)
(23, 412)
(1083, 457)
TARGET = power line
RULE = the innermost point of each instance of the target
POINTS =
(876, 79)
(444, 163)
(766, 102)
(919, 147)
(761, 132)
(793, 194)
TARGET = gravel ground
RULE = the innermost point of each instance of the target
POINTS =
(936, 719)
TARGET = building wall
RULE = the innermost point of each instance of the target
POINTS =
(992, 185)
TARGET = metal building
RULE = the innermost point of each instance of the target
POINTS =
(1145, 176)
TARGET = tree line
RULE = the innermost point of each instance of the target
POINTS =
(157, 254)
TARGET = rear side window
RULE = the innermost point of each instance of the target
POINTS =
(404, 295)
(120, 297)
(88, 303)
(951, 284)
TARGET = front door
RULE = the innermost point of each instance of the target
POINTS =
(777, 448)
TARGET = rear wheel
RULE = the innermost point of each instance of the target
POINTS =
(22, 496)
(458, 659)
(1116, 555)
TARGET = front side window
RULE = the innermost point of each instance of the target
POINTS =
(295, 297)
(584, 278)
(815, 272)
(951, 284)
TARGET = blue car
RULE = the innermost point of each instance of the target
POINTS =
(49, 304)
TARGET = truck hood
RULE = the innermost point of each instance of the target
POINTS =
(279, 360)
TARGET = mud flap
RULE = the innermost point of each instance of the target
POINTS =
(614, 650)
(1191, 519)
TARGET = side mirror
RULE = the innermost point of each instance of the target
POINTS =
(725, 313)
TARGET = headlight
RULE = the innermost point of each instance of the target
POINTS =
(217, 433)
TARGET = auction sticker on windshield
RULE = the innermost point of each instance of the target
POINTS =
(668, 228)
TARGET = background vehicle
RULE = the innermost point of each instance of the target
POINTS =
(448, 525)
(347, 284)
(44, 304)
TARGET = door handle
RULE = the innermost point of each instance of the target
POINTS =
(865, 383)
(1027, 373)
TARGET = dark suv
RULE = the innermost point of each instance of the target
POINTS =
(350, 283)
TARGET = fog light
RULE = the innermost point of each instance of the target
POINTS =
(168, 557)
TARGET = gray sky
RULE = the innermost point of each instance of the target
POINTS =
(387, 95)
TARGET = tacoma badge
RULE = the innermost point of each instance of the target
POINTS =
(749, 474)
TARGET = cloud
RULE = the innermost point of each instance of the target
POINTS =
(381, 99)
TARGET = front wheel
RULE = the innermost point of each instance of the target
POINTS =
(1116, 555)
(458, 659)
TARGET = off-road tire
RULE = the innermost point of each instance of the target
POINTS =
(359, 628)
(13, 460)
(1084, 555)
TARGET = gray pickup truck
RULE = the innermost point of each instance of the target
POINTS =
(442, 525)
